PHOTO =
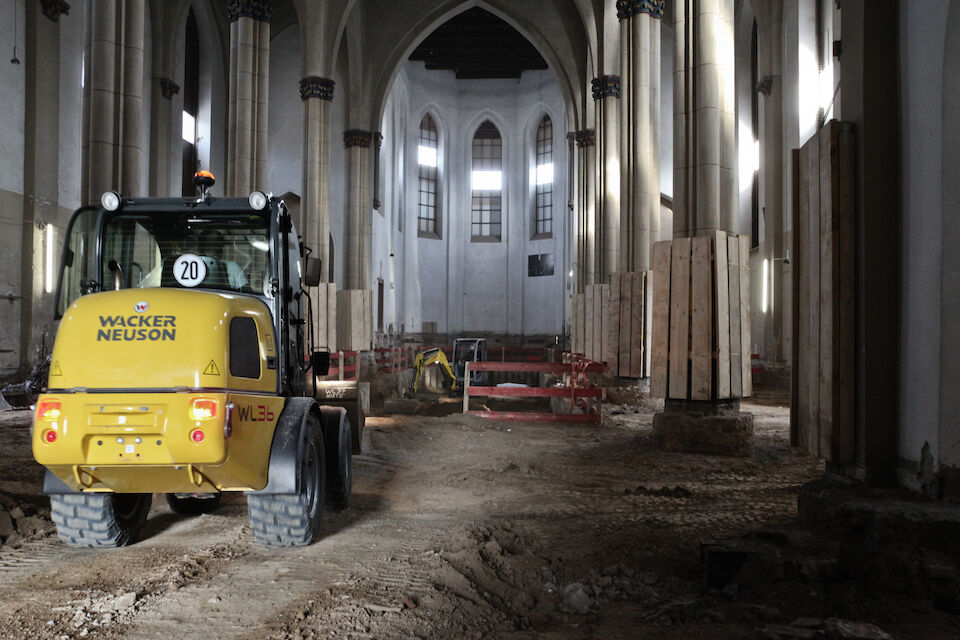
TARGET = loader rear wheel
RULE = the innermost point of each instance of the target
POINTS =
(193, 504)
(99, 519)
(337, 438)
(293, 520)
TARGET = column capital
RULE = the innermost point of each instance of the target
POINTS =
(378, 139)
(571, 138)
(260, 10)
(606, 87)
(53, 9)
(629, 8)
(316, 87)
(357, 138)
(586, 138)
(169, 88)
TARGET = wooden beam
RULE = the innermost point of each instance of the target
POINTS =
(660, 331)
(701, 347)
(679, 318)
(721, 283)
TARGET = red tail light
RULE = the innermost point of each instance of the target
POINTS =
(197, 435)
(50, 436)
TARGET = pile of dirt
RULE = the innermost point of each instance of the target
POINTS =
(22, 521)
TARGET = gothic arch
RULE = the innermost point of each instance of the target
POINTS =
(570, 85)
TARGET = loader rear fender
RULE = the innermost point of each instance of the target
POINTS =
(290, 440)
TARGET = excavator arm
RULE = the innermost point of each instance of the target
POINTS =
(423, 360)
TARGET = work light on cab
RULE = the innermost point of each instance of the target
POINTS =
(110, 200)
(258, 200)
(203, 409)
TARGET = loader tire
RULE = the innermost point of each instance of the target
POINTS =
(194, 505)
(338, 440)
(99, 519)
(293, 520)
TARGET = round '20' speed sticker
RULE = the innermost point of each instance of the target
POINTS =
(189, 270)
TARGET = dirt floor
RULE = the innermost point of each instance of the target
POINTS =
(462, 528)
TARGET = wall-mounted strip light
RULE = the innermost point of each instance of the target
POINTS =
(766, 284)
(48, 271)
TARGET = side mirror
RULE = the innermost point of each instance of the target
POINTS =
(311, 275)
(320, 361)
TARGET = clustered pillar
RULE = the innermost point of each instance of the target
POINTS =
(698, 417)
(606, 96)
(249, 80)
(316, 94)
(586, 228)
(359, 224)
(639, 131)
(113, 123)
(704, 150)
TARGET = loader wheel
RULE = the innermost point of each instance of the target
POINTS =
(337, 439)
(293, 520)
(193, 504)
(99, 519)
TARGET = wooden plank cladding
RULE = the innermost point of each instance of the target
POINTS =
(822, 406)
(355, 319)
(611, 323)
(701, 318)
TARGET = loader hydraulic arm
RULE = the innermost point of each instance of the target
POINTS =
(425, 359)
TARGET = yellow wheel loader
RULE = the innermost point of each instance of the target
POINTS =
(182, 365)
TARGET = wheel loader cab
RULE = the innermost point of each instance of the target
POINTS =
(178, 361)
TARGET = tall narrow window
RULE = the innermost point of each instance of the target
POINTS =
(543, 178)
(755, 129)
(191, 104)
(486, 182)
(427, 219)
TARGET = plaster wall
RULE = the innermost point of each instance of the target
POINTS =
(285, 114)
(12, 96)
(922, 37)
(469, 286)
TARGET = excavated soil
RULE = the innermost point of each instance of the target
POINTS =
(463, 528)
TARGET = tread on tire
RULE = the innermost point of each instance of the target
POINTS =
(99, 519)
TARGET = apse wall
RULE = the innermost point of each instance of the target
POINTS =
(461, 285)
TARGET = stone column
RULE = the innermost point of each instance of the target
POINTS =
(606, 94)
(113, 122)
(316, 95)
(248, 90)
(639, 120)
(705, 153)
(770, 35)
(705, 200)
(358, 222)
(41, 190)
(586, 143)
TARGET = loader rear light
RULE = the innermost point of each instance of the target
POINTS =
(197, 435)
(50, 436)
(203, 409)
(48, 410)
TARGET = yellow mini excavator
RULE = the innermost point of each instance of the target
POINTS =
(464, 350)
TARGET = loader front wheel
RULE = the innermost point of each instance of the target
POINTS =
(99, 519)
(293, 520)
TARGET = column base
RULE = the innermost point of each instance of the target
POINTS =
(714, 428)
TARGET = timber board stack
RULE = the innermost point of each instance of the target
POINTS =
(611, 323)
(701, 318)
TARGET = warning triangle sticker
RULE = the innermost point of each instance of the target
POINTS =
(55, 369)
(211, 369)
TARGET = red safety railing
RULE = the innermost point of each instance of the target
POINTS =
(341, 367)
(583, 394)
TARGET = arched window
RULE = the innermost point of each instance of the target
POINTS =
(543, 178)
(486, 181)
(428, 224)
